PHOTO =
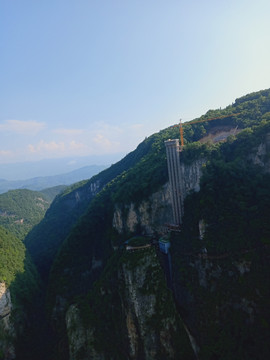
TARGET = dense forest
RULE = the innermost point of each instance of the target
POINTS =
(19, 275)
(21, 210)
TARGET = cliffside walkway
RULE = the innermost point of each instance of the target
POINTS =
(136, 248)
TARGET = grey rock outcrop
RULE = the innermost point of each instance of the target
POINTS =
(261, 154)
(7, 333)
(148, 328)
(191, 175)
(151, 215)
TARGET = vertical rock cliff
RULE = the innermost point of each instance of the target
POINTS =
(191, 175)
(130, 314)
(151, 215)
(148, 217)
(7, 332)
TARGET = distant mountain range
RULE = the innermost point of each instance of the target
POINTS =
(42, 182)
(49, 167)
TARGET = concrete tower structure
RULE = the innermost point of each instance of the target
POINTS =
(174, 170)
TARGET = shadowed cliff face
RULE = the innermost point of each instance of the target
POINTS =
(221, 259)
(44, 240)
(129, 314)
(225, 303)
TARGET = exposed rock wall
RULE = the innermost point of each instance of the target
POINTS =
(261, 155)
(42, 242)
(7, 334)
(139, 307)
(82, 194)
(143, 322)
(151, 215)
(224, 302)
(5, 301)
(80, 337)
(191, 175)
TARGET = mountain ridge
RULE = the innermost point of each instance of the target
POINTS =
(43, 182)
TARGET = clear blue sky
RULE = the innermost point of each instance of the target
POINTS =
(82, 77)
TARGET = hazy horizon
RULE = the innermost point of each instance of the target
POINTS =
(25, 170)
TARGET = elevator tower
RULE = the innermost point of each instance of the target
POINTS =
(174, 170)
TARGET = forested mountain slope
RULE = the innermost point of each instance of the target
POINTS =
(232, 208)
(44, 240)
(21, 210)
(52, 192)
(18, 286)
(42, 182)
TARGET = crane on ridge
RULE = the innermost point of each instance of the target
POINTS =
(180, 125)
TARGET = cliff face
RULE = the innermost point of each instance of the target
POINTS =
(80, 338)
(82, 194)
(191, 174)
(151, 215)
(131, 315)
(7, 333)
(261, 156)
(224, 302)
(140, 304)
(42, 242)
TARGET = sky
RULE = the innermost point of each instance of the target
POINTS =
(95, 77)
